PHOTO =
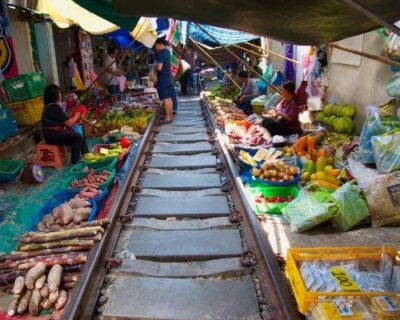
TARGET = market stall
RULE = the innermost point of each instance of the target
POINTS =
(324, 188)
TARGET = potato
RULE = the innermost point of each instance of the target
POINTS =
(33, 274)
(62, 300)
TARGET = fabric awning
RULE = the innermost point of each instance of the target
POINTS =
(299, 22)
(66, 13)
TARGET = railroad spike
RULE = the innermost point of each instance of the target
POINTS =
(136, 189)
(124, 218)
(248, 259)
(235, 216)
(226, 187)
(144, 168)
(111, 263)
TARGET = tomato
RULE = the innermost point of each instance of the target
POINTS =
(125, 142)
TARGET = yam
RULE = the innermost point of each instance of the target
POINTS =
(33, 274)
(62, 300)
(19, 284)
(77, 203)
(40, 282)
(54, 278)
(34, 304)
(44, 292)
(24, 302)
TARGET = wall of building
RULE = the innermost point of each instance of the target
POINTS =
(20, 33)
(360, 85)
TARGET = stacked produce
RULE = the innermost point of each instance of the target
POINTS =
(92, 180)
(225, 111)
(227, 91)
(134, 118)
(104, 152)
(337, 117)
(276, 172)
(253, 135)
(67, 247)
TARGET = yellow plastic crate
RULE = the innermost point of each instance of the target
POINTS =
(306, 299)
(27, 112)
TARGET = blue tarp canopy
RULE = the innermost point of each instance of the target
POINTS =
(223, 36)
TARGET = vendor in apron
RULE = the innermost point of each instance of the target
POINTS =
(57, 126)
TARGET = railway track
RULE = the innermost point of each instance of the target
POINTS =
(182, 243)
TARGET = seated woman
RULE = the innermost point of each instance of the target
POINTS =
(57, 126)
(284, 119)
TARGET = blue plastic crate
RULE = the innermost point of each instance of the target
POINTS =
(7, 129)
(10, 169)
(55, 202)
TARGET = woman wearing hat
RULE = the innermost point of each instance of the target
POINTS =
(284, 119)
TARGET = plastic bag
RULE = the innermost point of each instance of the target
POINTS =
(383, 198)
(393, 86)
(372, 127)
(391, 48)
(310, 208)
(353, 207)
(386, 152)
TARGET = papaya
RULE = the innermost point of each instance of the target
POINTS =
(321, 153)
(313, 177)
(305, 176)
(328, 168)
(325, 184)
(311, 142)
(334, 172)
(309, 166)
(328, 178)
(300, 145)
(320, 164)
(330, 160)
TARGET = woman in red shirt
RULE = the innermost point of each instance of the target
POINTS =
(284, 119)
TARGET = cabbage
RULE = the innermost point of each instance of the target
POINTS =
(329, 109)
(348, 111)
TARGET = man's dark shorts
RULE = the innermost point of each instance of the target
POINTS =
(164, 91)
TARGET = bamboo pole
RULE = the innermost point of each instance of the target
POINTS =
(272, 52)
(216, 63)
(239, 59)
(366, 55)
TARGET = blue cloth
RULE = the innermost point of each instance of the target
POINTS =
(223, 36)
(174, 98)
(79, 129)
(164, 76)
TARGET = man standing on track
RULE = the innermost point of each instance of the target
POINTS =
(164, 77)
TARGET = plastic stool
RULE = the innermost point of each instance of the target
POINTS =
(48, 155)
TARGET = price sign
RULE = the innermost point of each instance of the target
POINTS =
(343, 279)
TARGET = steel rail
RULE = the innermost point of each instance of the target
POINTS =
(82, 302)
(288, 307)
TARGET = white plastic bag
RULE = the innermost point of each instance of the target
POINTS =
(393, 86)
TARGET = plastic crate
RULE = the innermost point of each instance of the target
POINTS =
(104, 164)
(27, 112)
(105, 185)
(7, 129)
(25, 87)
(306, 299)
(10, 169)
(50, 205)
(254, 189)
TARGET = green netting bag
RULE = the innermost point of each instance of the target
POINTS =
(352, 206)
(312, 206)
